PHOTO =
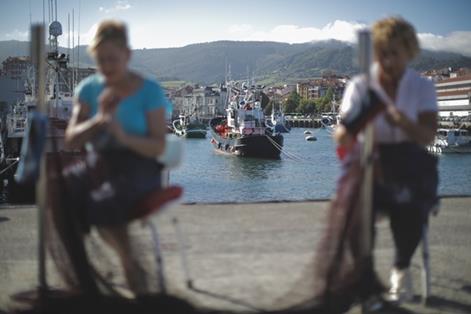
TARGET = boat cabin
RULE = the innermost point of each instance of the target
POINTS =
(247, 119)
(454, 136)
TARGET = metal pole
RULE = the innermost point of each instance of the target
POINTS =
(182, 251)
(37, 56)
(158, 257)
(364, 53)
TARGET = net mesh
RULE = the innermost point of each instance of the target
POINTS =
(319, 262)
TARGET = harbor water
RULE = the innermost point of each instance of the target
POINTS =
(307, 171)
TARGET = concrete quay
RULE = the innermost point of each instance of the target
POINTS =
(252, 253)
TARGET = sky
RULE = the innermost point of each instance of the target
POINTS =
(441, 25)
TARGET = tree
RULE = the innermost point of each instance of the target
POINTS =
(307, 106)
(326, 100)
(292, 102)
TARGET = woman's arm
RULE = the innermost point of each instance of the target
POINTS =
(81, 128)
(150, 146)
(423, 131)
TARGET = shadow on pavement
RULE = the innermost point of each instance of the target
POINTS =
(3, 219)
(466, 288)
(447, 305)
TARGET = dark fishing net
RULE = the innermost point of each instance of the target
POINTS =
(332, 275)
(340, 273)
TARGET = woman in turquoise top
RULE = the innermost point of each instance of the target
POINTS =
(123, 116)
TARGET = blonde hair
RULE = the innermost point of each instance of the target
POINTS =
(395, 30)
(110, 30)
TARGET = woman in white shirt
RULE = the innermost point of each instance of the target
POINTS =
(401, 131)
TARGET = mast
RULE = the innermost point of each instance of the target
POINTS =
(78, 40)
(55, 30)
(68, 47)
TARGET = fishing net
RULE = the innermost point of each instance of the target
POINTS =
(321, 265)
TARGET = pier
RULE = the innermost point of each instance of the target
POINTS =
(257, 252)
(303, 122)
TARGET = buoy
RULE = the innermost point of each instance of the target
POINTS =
(311, 138)
(307, 132)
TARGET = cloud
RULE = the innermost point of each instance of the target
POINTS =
(120, 5)
(239, 28)
(16, 35)
(339, 30)
(459, 42)
(85, 37)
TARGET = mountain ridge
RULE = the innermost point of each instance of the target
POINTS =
(206, 63)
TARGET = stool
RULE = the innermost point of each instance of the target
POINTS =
(151, 204)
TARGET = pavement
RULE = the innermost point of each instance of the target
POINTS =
(248, 256)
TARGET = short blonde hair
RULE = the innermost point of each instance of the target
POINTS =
(110, 30)
(392, 30)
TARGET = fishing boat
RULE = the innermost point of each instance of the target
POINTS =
(59, 102)
(243, 131)
(451, 141)
(189, 127)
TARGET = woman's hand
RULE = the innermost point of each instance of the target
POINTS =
(396, 117)
(422, 131)
(343, 138)
(108, 101)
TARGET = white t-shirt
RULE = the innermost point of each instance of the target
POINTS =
(415, 94)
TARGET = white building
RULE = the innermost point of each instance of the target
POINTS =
(454, 96)
(205, 101)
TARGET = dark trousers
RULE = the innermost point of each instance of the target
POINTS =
(406, 191)
(406, 225)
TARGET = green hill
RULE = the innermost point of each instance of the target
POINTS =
(266, 61)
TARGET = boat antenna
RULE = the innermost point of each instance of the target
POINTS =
(30, 16)
(73, 47)
(225, 70)
(248, 76)
(68, 32)
(68, 45)
(78, 39)
(49, 13)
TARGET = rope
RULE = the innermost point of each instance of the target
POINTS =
(14, 163)
(287, 154)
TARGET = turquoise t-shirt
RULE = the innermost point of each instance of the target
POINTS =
(132, 110)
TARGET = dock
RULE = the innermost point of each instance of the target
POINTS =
(303, 122)
(256, 253)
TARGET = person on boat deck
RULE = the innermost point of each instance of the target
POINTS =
(401, 133)
(122, 115)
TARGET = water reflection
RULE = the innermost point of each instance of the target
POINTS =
(254, 168)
